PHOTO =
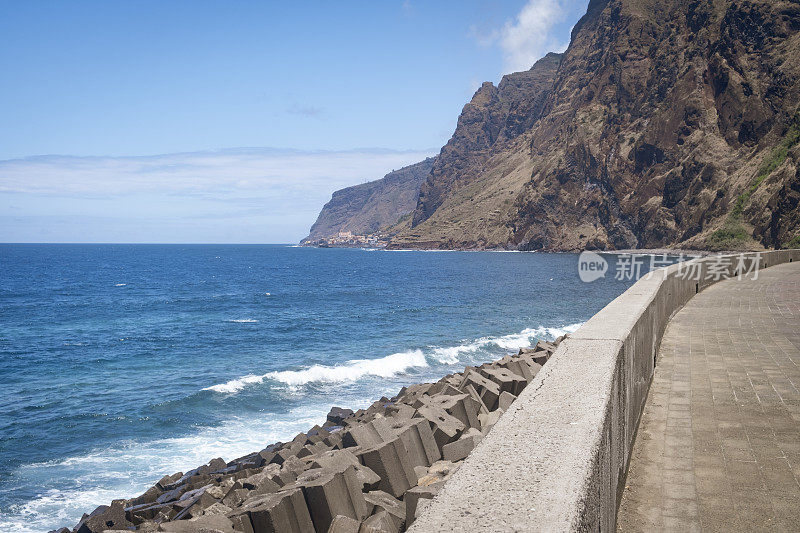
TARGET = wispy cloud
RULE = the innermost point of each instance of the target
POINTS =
(273, 194)
(208, 173)
(530, 34)
(305, 110)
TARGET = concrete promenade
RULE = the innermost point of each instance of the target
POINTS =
(718, 445)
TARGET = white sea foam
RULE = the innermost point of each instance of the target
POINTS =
(384, 367)
(396, 363)
(128, 469)
(120, 285)
(235, 385)
(514, 341)
(243, 320)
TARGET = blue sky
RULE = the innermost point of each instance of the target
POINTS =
(147, 105)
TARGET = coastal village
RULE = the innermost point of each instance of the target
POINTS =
(346, 239)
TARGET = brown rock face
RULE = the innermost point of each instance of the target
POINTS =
(366, 208)
(665, 123)
(494, 116)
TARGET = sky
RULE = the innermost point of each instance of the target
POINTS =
(200, 121)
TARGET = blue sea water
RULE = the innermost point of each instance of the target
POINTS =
(122, 363)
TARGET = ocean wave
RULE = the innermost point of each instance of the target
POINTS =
(242, 320)
(384, 367)
(398, 363)
(513, 341)
(120, 284)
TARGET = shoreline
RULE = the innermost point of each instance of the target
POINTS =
(382, 460)
(689, 253)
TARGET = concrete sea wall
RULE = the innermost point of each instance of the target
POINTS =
(556, 459)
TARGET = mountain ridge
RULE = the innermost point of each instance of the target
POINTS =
(664, 124)
(366, 208)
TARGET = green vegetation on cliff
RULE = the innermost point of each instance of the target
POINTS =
(733, 234)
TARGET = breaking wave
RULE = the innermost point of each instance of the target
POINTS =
(399, 363)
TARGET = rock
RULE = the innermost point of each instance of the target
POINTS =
(468, 388)
(368, 435)
(149, 496)
(330, 493)
(204, 524)
(505, 379)
(506, 399)
(214, 465)
(215, 509)
(166, 481)
(104, 517)
(252, 460)
(488, 391)
(400, 411)
(316, 434)
(418, 440)
(192, 503)
(392, 464)
(285, 511)
(534, 355)
(518, 366)
(439, 471)
(337, 415)
(339, 460)
(489, 420)
(422, 504)
(446, 428)
(235, 496)
(459, 405)
(344, 524)
(379, 523)
(261, 483)
(380, 501)
(365, 208)
(414, 495)
(460, 449)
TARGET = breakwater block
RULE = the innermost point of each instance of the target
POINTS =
(373, 470)
(391, 462)
(103, 518)
(344, 524)
(416, 494)
(379, 501)
(272, 513)
(446, 428)
(458, 450)
(211, 524)
(418, 441)
(329, 493)
(379, 523)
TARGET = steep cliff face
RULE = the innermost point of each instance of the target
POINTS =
(366, 208)
(665, 123)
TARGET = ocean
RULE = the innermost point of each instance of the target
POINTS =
(122, 363)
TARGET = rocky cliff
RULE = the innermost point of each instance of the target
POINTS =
(366, 208)
(664, 123)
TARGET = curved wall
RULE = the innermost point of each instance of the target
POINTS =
(556, 460)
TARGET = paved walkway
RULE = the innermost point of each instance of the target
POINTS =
(718, 447)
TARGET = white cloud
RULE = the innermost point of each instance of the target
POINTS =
(532, 32)
(211, 173)
(236, 195)
(528, 37)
